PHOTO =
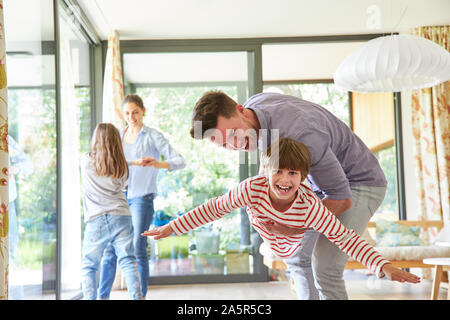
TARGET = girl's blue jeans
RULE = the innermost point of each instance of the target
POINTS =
(116, 232)
(142, 214)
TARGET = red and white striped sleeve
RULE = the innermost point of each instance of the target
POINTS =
(214, 208)
(324, 221)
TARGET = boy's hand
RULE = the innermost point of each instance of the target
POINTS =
(396, 274)
(159, 232)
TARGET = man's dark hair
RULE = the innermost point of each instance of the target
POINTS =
(208, 108)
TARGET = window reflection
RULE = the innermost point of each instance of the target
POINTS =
(30, 66)
(33, 265)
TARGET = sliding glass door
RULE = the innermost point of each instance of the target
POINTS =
(49, 117)
(74, 131)
(170, 84)
(32, 120)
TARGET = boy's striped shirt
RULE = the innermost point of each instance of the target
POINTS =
(307, 211)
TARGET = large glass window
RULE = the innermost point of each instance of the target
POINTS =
(170, 84)
(33, 117)
(32, 125)
(322, 93)
(388, 161)
(75, 117)
(210, 172)
(373, 122)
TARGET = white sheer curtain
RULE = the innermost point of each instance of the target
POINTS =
(113, 83)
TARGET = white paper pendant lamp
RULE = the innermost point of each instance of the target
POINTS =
(394, 63)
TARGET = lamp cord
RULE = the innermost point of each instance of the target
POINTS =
(400, 19)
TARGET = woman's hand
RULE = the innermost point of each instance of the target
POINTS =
(152, 162)
(281, 229)
(396, 274)
(159, 232)
(139, 162)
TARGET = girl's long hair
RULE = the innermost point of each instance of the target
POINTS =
(107, 152)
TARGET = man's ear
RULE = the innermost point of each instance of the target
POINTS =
(240, 108)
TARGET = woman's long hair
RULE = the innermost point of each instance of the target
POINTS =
(107, 152)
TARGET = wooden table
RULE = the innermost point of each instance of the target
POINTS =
(441, 265)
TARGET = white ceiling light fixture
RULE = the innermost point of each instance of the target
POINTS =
(394, 63)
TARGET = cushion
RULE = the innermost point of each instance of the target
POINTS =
(366, 236)
(392, 234)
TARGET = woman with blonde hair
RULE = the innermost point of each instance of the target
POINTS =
(104, 174)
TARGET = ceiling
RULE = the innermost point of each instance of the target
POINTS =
(194, 19)
(209, 19)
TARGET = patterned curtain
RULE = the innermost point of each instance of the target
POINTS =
(431, 134)
(113, 84)
(4, 196)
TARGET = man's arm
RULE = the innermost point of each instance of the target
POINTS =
(337, 207)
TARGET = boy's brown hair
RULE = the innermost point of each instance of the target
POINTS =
(286, 153)
(208, 108)
(107, 153)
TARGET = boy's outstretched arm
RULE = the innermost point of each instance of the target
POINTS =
(159, 232)
(396, 274)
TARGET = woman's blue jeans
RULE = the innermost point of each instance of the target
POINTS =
(142, 214)
(115, 231)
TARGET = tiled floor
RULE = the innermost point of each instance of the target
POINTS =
(359, 287)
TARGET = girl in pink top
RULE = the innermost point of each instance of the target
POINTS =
(281, 208)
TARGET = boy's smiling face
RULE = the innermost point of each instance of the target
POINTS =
(284, 184)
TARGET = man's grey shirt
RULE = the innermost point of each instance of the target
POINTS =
(339, 159)
(101, 195)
